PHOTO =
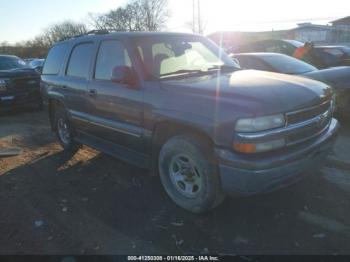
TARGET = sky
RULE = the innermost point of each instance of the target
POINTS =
(24, 19)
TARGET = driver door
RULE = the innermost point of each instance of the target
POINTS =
(116, 109)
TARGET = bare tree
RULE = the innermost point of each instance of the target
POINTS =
(137, 15)
(63, 30)
(39, 46)
(155, 13)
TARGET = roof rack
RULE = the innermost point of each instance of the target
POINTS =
(92, 32)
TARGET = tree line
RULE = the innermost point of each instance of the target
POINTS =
(136, 15)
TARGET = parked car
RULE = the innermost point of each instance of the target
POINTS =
(330, 56)
(337, 77)
(176, 104)
(28, 60)
(284, 46)
(320, 56)
(19, 85)
(37, 64)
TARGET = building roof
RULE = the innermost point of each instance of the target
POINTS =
(342, 21)
(310, 25)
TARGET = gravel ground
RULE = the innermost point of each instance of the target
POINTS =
(89, 203)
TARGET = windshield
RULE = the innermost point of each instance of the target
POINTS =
(295, 43)
(288, 65)
(36, 63)
(182, 55)
(9, 63)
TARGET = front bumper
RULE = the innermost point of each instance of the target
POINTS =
(253, 174)
(10, 102)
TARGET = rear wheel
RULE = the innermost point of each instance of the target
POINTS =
(64, 130)
(188, 174)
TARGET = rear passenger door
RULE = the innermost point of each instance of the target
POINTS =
(76, 81)
(116, 109)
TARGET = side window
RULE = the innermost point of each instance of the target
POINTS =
(333, 51)
(111, 53)
(79, 62)
(252, 63)
(55, 59)
(288, 49)
(273, 47)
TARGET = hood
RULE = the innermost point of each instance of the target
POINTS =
(337, 77)
(20, 72)
(258, 92)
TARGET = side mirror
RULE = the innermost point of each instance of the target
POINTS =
(236, 61)
(124, 75)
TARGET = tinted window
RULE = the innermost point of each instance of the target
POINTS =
(112, 53)
(11, 62)
(273, 47)
(55, 59)
(334, 51)
(79, 62)
(251, 63)
(288, 65)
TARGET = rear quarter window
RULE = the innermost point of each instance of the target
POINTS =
(55, 59)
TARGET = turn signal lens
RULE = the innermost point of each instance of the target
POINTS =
(259, 147)
(245, 148)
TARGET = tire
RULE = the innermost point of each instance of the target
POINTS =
(64, 130)
(188, 176)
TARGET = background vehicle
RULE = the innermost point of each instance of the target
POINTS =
(330, 56)
(176, 104)
(320, 56)
(37, 64)
(337, 77)
(19, 85)
(287, 47)
(28, 60)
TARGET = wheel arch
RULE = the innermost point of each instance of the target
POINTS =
(53, 103)
(163, 131)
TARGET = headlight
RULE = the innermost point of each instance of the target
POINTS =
(3, 84)
(260, 123)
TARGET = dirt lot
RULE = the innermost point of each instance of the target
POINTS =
(90, 203)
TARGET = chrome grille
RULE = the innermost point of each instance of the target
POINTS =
(302, 126)
(308, 113)
(314, 120)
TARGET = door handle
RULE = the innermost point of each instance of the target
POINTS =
(92, 92)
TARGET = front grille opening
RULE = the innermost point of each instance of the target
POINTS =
(322, 114)
(307, 114)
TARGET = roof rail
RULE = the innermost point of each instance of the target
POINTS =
(97, 32)
(92, 32)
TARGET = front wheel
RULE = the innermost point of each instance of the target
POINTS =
(64, 131)
(188, 174)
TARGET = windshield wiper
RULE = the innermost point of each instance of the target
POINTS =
(203, 71)
(183, 71)
(224, 68)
